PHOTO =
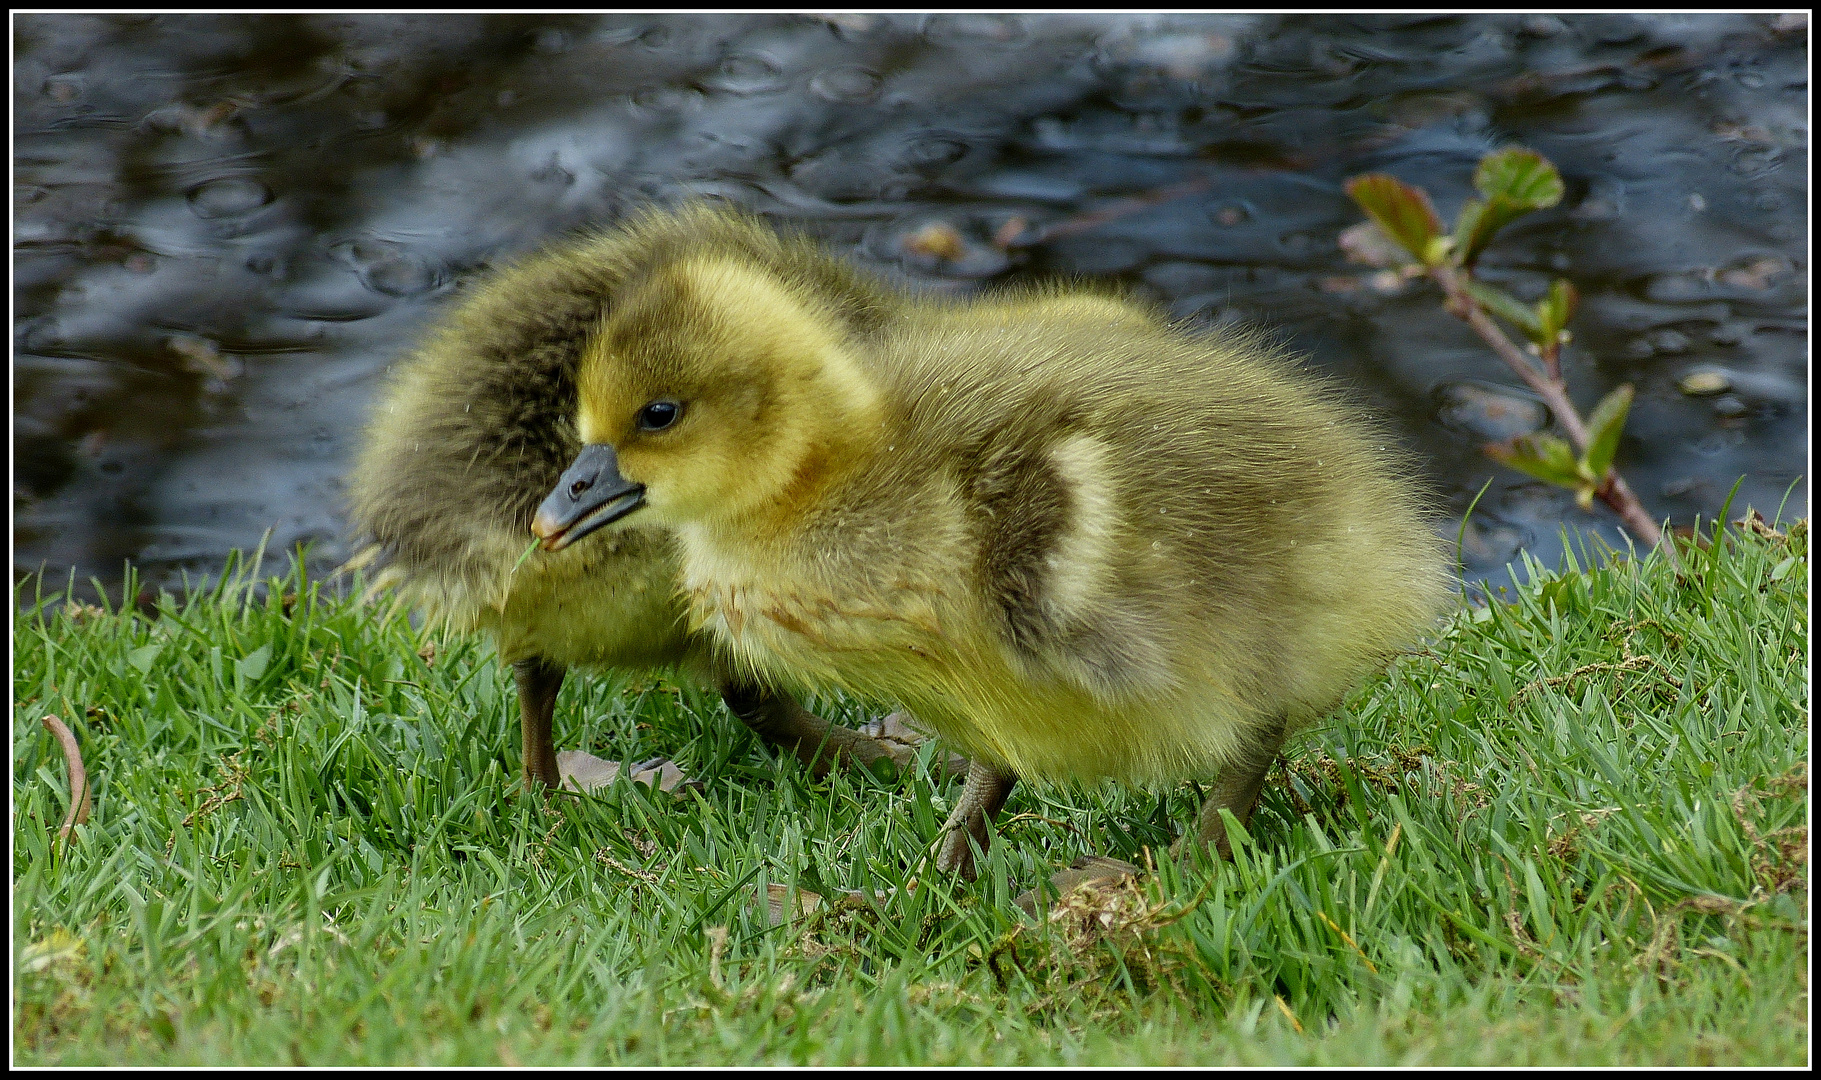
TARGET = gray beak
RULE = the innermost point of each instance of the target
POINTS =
(591, 493)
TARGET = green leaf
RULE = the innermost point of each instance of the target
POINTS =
(1603, 430)
(1554, 311)
(1782, 569)
(1523, 178)
(143, 657)
(1542, 456)
(253, 665)
(1507, 307)
(1514, 181)
(1403, 212)
(1472, 230)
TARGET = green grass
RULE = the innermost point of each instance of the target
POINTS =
(1572, 829)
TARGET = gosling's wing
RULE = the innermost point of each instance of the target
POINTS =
(1053, 563)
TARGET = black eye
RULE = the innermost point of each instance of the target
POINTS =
(659, 415)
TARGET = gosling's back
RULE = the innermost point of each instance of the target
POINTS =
(1140, 492)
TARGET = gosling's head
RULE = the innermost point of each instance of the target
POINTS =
(716, 391)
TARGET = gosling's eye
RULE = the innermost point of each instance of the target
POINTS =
(659, 415)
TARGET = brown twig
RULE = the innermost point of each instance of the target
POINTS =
(1552, 360)
(79, 777)
(1549, 385)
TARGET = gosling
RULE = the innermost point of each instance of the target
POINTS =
(470, 431)
(1079, 542)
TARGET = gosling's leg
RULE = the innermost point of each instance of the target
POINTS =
(981, 797)
(1238, 786)
(538, 682)
(779, 720)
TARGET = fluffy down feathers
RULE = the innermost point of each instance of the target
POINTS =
(1079, 541)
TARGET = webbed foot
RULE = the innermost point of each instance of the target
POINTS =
(982, 796)
(899, 734)
(818, 744)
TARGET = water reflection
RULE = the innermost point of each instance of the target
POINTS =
(227, 226)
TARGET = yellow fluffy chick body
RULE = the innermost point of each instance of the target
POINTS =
(1076, 540)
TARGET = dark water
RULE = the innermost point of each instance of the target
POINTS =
(227, 226)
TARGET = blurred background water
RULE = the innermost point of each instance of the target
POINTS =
(227, 226)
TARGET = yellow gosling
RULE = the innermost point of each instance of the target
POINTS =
(1078, 541)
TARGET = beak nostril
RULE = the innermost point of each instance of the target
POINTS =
(577, 488)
